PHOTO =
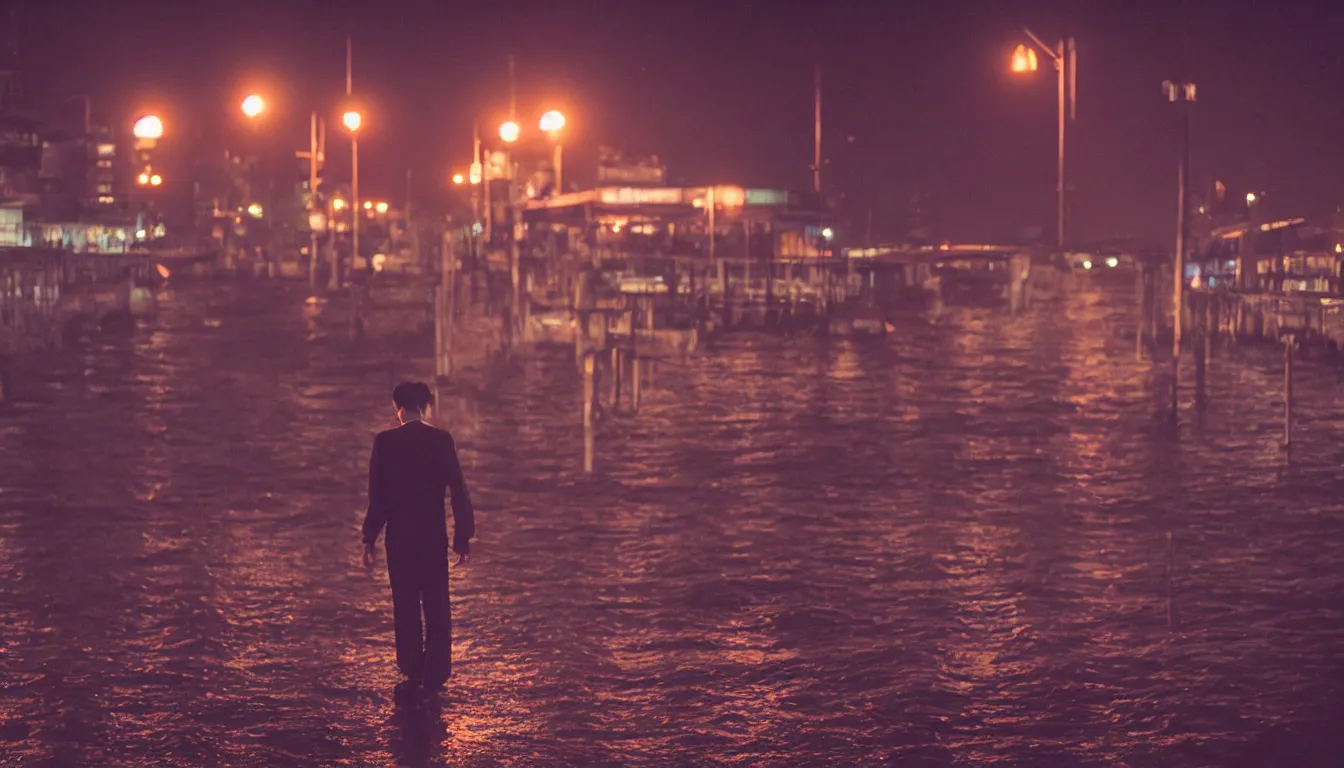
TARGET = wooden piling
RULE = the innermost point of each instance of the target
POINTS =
(634, 381)
(615, 378)
(1141, 329)
(1288, 340)
(445, 310)
(1201, 344)
(589, 394)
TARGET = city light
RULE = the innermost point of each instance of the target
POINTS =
(1024, 59)
(381, 207)
(143, 179)
(827, 233)
(148, 127)
(1087, 265)
(337, 204)
(458, 178)
(254, 210)
(155, 180)
(509, 132)
(253, 106)
(1112, 262)
(352, 121)
(1251, 198)
(552, 122)
(368, 205)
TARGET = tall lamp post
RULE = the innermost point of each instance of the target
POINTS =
(551, 124)
(352, 121)
(1065, 56)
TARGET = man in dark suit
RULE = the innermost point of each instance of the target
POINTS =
(409, 470)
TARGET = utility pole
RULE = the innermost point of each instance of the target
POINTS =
(1182, 94)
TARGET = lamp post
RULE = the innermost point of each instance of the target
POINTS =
(1065, 56)
(352, 121)
(551, 124)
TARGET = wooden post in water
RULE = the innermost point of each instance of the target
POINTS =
(444, 310)
(589, 395)
(615, 376)
(1288, 340)
(1201, 344)
(1141, 329)
(724, 313)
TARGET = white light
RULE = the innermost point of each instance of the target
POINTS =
(1112, 262)
(1087, 265)
(379, 261)
(140, 234)
(827, 233)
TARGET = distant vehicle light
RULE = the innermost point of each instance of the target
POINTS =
(382, 207)
(1087, 265)
(1112, 262)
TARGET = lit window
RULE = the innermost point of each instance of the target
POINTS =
(106, 199)
(104, 163)
(107, 150)
(104, 189)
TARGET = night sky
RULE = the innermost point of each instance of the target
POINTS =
(723, 92)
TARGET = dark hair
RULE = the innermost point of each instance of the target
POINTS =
(412, 395)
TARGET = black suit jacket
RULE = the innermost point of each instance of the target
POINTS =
(410, 468)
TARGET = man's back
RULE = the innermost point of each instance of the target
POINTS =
(410, 469)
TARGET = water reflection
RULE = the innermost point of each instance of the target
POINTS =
(968, 543)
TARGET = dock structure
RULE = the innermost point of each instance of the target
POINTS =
(45, 291)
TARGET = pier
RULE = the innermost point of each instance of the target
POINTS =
(47, 293)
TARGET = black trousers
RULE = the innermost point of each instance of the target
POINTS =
(420, 584)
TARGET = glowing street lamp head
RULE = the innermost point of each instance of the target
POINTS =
(381, 207)
(458, 178)
(148, 127)
(552, 122)
(143, 179)
(352, 121)
(1251, 198)
(253, 106)
(337, 204)
(368, 205)
(509, 132)
(155, 180)
(1024, 59)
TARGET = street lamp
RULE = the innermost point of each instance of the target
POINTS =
(1065, 57)
(253, 106)
(458, 178)
(149, 127)
(1251, 198)
(155, 180)
(381, 207)
(551, 124)
(352, 121)
(509, 131)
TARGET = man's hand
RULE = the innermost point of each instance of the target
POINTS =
(368, 555)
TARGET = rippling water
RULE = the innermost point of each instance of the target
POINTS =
(970, 543)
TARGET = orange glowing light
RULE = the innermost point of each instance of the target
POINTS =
(155, 180)
(458, 178)
(143, 179)
(352, 120)
(552, 122)
(509, 132)
(1024, 59)
(253, 106)
(148, 127)
(381, 207)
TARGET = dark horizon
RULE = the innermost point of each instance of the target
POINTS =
(724, 94)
